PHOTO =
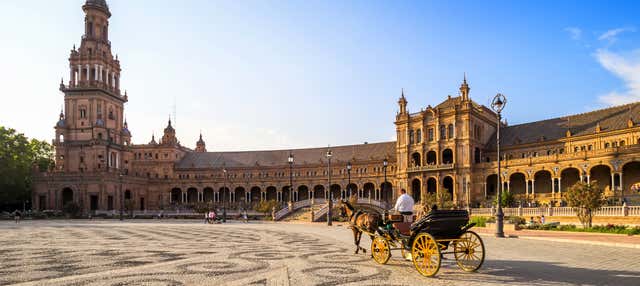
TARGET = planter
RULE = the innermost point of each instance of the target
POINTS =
(506, 226)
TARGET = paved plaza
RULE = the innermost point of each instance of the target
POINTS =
(175, 252)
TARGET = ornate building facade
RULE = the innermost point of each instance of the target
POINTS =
(449, 147)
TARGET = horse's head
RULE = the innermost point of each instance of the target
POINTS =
(346, 209)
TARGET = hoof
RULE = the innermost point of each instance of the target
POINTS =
(364, 251)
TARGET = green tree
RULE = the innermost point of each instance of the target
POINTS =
(585, 199)
(18, 157)
(507, 199)
(266, 206)
(441, 199)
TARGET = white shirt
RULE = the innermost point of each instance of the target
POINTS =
(404, 203)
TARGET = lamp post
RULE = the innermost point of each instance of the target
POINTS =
(330, 206)
(349, 178)
(121, 199)
(385, 163)
(224, 195)
(290, 159)
(497, 104)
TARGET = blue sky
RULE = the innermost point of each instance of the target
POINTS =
(289, 74)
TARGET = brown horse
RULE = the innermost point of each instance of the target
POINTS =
(360, 222)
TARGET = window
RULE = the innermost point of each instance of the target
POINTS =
(83, 112)
(90, 29)
(450, 129)
(430, 134)
(606, 145)
(622, 143)
(590, 147)
(443, 132)
(111, 116)
(418, 135)
(411, 137)
(576, 149)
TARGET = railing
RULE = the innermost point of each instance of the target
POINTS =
(558, 211)
(430, 168)
(281, 213)
(321, 212)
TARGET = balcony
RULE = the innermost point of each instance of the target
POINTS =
(430, 168)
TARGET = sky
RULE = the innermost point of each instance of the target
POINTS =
(254, 75)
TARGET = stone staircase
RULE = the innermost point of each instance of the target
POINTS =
(302, 214)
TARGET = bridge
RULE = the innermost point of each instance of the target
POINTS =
(378, 206)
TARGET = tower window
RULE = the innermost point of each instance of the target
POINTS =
(111, 116)
(90, 29)
(443, 132)
(83, 113)
(450, 129)
(430, 134)
(418, 135)
(411, 137)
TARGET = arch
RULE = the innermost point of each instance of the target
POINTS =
(448, 186)
(630, 176)
(127, 195)
(432, 185)
(352, 189)
(318, 192)
(492, 185)
(450, 131)
(285, 194)
(415, 190)
(207, 194)
(447, 156)
(224, 194)
(255, 194)
(416, 159)
(432, 157)
(518, 183)
(602, 175)
(176, 195)
(67, 196)
(542, 182)
(569, 177)
(303, 193)
(368, 189)
(192, 195)
(239, 194)
(272, 193)
(386, 192)
(335, 191)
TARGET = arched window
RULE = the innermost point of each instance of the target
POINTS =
(447, 156)
(411, 137)
(443, 132)
(418, 135)
(90, 29)
(430, 135)
(622, 143)
(450, 131)
(111, 116)
(606, 145)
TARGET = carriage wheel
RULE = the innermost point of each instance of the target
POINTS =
(469, 251)
(380, 249)
(425, 254)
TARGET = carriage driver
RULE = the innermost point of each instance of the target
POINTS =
(404, 205)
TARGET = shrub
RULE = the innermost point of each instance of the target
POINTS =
(479, 221)
(442, 199)
(266, 206)
(585, 199)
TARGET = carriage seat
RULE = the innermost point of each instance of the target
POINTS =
(403, 227)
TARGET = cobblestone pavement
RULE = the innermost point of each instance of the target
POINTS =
(192, 253)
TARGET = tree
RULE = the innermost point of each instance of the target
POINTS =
(266, 206)
(18, 157)
(585, 199)
(441, 199)
(507, 199)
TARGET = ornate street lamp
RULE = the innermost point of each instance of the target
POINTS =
(224, 195)
(497, 104)
(121, 199)
(290, 159)
(385, 163)
(330, 206)
(349, 178)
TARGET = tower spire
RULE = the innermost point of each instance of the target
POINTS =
(464, 88)
(402, 102)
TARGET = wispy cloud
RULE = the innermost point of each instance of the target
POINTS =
(612, 35)
(574, 32)
(625, 66)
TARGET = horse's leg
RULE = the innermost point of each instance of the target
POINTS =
(355, 239)
(360, 247)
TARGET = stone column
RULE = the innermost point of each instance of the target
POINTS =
(96, 73)
(184, 196)
(560, 187)
(79, 72)
(621, 185)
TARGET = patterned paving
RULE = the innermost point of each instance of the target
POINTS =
(190, 253)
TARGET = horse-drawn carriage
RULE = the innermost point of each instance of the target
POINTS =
(424, 242)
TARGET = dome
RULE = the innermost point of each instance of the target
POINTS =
(169, 128)
(98, 4)
(60, 123)
(125, 131)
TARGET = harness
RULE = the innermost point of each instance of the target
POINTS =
(354, 217)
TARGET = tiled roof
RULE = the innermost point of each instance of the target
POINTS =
(362, 152)
(612, 118)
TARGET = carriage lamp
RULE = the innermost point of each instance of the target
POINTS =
(497, 104)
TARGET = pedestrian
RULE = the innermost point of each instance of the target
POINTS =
(17, 216)
(542, 220)
(244, 216)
